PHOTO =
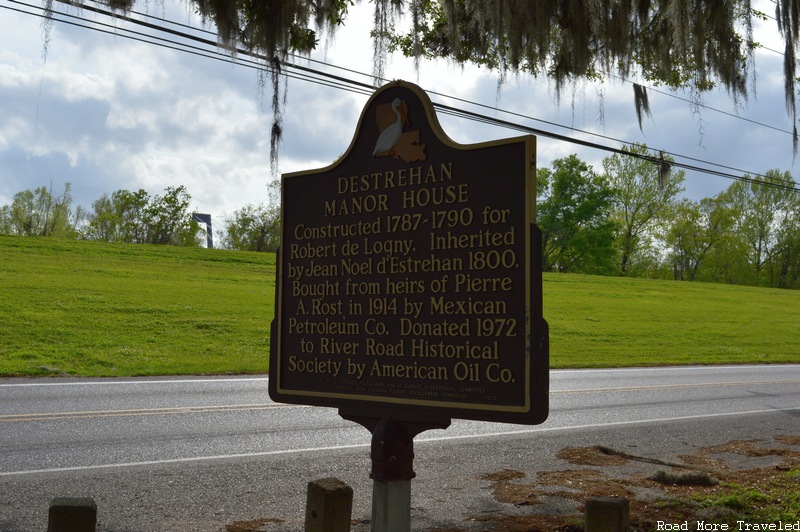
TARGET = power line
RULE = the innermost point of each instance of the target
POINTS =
(295, 71)
(649, 88)
(623, 80)
(162, 42)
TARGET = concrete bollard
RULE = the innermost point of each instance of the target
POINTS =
(72, 515)
(607, 514)
(329, 505)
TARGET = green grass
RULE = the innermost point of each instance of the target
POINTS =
(610, 321)
(96, 309)
(776, 500)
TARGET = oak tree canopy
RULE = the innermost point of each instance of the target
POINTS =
(691, 44)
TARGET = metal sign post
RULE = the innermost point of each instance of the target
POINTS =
(409, 287)
(392, 455)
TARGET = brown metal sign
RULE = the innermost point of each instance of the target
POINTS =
(409, 274)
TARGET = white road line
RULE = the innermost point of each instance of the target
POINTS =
(422, 439)
(182, 460)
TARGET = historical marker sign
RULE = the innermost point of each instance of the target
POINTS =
(409, 277)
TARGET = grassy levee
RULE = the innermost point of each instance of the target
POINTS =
(96, 309)
(615, 322)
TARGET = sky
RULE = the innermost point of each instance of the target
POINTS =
(104, 112)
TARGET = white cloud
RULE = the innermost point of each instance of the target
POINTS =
(108, 113)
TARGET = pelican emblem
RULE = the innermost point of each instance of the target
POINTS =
(391, 134)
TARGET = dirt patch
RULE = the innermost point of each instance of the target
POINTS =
(506, 491)
(745, 448)
(672, 495)
(788, 440)
(713, 457)
(531, 523)
(503, 476)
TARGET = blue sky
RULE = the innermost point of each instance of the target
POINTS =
(105, 113)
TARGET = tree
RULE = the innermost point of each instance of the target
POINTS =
(641, 196)
(690, 44)
(573, 207)
(103, 222)
(726, 261)
(686, 240)
(786, 266)
(39, 213)
(253, 228)
(6, 227)
(766, 219)
(120, 217)
(138, 218)
(168, 220)
(694, 44)
(694, 229)
(131, 209)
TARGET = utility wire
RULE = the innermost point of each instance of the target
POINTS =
(621, 79)
(343, 83)
(214, 53)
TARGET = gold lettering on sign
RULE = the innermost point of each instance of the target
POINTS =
(403, 282)
(405, 177)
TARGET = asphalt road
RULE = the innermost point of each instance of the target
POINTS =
(201, 453)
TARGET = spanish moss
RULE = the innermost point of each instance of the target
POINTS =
(697, 45)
